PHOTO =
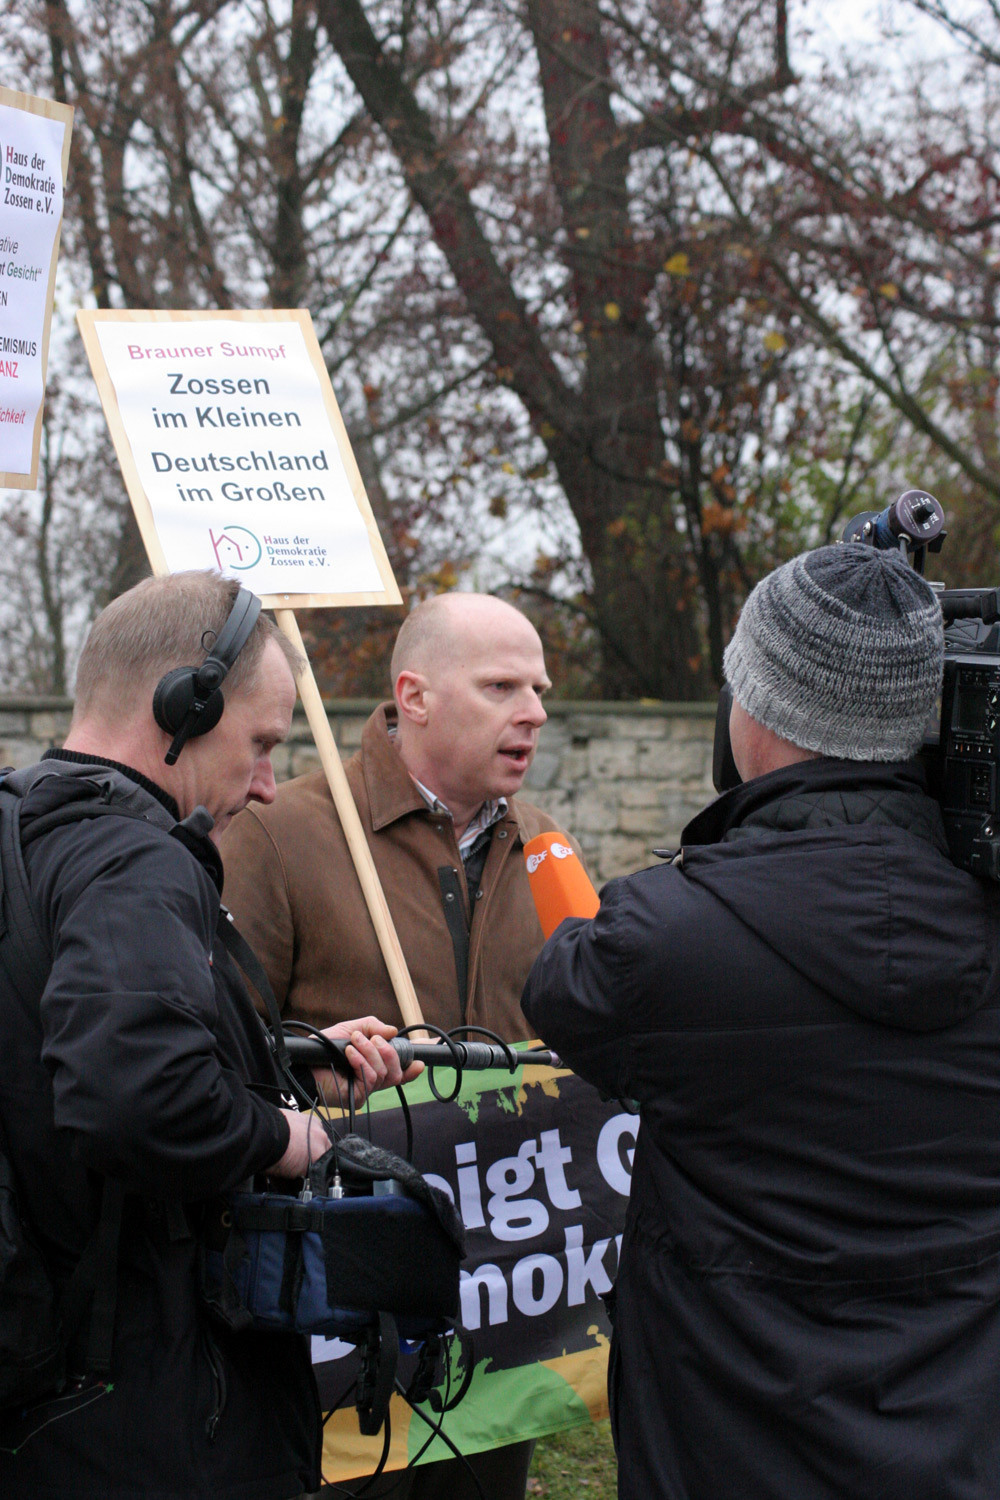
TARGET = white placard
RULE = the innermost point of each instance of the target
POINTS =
(229, 430)
(32, 149)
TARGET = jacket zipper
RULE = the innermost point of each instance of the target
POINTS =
(218, 1385)
(477, 919)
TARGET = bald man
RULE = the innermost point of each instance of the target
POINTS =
(435, 783)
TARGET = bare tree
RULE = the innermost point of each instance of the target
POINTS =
(619, 307)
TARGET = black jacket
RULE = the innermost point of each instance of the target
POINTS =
(806, 1008)
(135, 1066)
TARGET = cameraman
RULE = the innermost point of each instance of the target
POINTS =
(805, 1005)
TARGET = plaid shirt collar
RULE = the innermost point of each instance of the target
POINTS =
(491, 812)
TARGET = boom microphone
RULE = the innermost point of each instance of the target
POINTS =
(559, 884)
(329, 1052)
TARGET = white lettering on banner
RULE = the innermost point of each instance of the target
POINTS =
(522, 1280)
(470, 1198)
(541, 1180)
(584, 1270)
(505, 1178)
(552, 1157)
(531, 1297)
(492, 1278)
(513, 1217)
(535, 1283)
(609, 1152)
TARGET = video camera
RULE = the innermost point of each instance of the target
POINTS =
(961, 748)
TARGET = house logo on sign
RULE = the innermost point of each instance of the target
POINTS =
(235, 547)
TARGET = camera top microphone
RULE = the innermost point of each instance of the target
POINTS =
(914, 522)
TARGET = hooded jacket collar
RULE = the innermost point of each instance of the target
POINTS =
(78, 758)
(62, 777)
(838, 867)
(823, 792)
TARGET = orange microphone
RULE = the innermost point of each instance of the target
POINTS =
(559, 884)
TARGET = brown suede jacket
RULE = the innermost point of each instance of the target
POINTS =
(293, 890)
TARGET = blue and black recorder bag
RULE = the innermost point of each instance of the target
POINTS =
(325, 1264)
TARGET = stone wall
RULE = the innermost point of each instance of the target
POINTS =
(623, 777)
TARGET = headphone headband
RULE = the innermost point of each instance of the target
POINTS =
(228, 643)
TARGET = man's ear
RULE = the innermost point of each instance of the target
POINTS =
(411, 696)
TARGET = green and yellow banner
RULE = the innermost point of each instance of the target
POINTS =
(539, 1168)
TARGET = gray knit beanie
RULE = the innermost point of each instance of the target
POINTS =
(841, 651)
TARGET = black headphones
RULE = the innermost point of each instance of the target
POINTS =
(188, 701)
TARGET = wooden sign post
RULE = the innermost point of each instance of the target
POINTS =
(235, 457)
(34, 159)
(336, 776)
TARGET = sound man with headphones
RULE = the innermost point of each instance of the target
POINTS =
(138, 1059)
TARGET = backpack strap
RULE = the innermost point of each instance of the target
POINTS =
(245, 958)
(95, 1281)
(24, 952)
(377, 1376)
(243, 955)
(26, 961)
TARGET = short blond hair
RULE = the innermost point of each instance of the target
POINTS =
(160, 624)
(431, 634)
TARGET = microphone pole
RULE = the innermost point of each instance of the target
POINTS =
(329, 1052)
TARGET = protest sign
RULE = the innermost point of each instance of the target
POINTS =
(34, 157)
(235, 457)
(234, 452)
(539, 1168)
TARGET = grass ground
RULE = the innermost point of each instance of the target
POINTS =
(574, 1464)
